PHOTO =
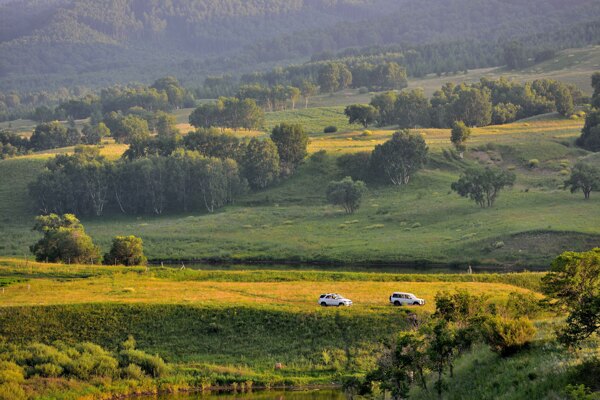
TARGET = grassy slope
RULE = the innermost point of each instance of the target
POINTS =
(235, 325)
(423, 221)
(235, 319)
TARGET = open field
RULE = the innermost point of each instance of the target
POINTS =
(424, 221)
(233, 326)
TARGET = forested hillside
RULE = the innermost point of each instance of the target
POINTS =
(51, 43)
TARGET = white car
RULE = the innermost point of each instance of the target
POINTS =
(405, 299)
(334, 299)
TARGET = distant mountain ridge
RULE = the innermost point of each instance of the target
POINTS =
(92, 42)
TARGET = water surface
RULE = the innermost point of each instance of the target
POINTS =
(326, 394)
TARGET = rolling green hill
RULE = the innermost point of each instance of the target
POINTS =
(423, 222)
(51, 43)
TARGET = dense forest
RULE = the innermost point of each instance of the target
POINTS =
(54, 43)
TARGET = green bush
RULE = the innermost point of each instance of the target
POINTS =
(11, 372)
(330, 129)
(134, 372)
(12, 391)
(533, 163)
(507, 336)
(39, 353)
(523, 305)
(48, 370)
(151, 365)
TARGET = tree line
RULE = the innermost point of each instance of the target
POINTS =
(486, 102)
(205, 171)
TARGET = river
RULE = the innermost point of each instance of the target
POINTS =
(325, 394)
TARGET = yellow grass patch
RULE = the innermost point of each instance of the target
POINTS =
(296, 296)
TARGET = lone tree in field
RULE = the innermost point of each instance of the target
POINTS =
(292, 143)
(346, 193)
(400, 157)
(126, 250)
(64, 241)
(459, 136)
(483, 184)
(363, 114)
(574, 282)
(585, 177)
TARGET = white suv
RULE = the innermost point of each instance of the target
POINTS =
(405, 299)
(333, 299)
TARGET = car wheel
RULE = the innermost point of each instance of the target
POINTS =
(341, 304)
(416, 303)
(324, 304)
(397, 303)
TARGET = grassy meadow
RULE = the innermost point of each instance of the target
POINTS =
(233, 326)
(423, 222)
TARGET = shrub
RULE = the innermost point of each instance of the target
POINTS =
(346, 193)
(134, 372)
(12, 391)
(48, 370)
(523, 305)
(366, 133)
(355, 165)
(10, 372)
(507, 336)
(43, 354)
(533, 163)
(330, 129)
(126, 250)
(151, 365)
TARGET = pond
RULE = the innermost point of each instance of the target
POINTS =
(324, 394)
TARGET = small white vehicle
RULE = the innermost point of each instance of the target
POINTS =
(333, 299)
(405, 299)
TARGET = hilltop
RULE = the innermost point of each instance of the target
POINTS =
(45, 44)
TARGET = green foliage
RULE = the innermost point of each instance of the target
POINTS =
(506, 336)
(346, 193)
(361, 113)
(355, 165)
(11, 144)
(483, 185)
(411, 109)
(11, 372)
(87, 183)
(51, 135)
(333, 77)
(64, 241)
(503, 113)
(400, 157)
(590, 134)
(385, 103)
(584, 177)
(574, 282)
(292, 143)
(212, 143)
(12, 391)
(459, 135)
(228, 112)
(261, 163)
(130, 128)
(330, 129)
(126, 250)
